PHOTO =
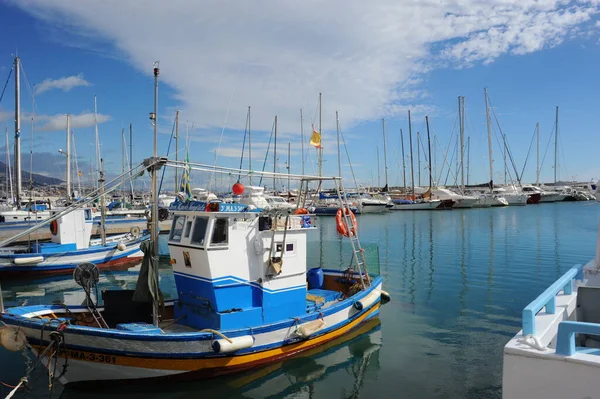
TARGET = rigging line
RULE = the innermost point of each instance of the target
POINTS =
(267, 153)
(445, 155)
(223, 129)
(563, 156)
(454, 151)
(528, 153)
(6, 84)
(547, 146)
(348, 156)
(244, 143)
(506, 146)
(168, 150)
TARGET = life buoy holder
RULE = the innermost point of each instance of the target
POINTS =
(301, 211)
(54, 227)
(341, 224)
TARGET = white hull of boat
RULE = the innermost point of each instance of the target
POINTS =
(371, 207)
(464, 202)
(516, 199)
(417, 206)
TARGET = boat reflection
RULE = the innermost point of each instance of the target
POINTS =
(337, 368)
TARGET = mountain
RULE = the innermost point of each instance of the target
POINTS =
(38, 180)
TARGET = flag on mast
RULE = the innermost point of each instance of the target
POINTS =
(315, 139)
(185, 179)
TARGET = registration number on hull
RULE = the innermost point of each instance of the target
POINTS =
(91, 357)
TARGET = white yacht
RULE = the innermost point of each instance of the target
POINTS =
(460, 201)
(512, 197)
(545, 196)
(255, 196)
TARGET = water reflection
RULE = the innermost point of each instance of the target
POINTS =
(340, 368)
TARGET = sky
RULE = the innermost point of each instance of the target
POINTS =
(370, 60)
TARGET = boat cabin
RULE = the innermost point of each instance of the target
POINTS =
(237, 267)
(69, 232)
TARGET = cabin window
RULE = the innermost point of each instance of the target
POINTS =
(188, 228)
(199, 231)
(177, 229)
(219, 236)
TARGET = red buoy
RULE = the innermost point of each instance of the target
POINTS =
(238, 188)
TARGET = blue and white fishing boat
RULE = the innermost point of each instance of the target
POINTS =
(70, 245)
(557, 352)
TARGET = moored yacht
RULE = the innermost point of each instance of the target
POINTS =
(460, 201)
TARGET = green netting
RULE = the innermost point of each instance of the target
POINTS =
(337, 255)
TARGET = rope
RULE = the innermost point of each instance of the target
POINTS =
(16, 388)
(168, 150)
(6, 84)
(210, 330)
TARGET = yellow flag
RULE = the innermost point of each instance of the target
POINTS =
(316, 139)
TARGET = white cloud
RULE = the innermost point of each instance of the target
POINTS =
(367, 58)
(65, 83)
(59, 121)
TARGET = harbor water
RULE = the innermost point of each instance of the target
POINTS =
(458, 281)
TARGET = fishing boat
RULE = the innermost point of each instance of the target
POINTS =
(246, 296)
(557, 352)
(71, 244)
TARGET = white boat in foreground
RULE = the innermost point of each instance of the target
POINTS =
(557, 352)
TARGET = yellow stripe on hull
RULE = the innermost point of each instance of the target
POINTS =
(215, 364)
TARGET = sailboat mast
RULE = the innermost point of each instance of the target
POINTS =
(249, 145)
(176, 149)
(489, 134)
(275, 154)
(154, 232)
(288, 168)
(418, 159)
(96, 129)
(123, 162)
(18, 132)
(9, 183)
(131, 159)
(68, 154)
(461, 117)
(468, 157)
(429, 159)
(302, 138)
(403, 161)
(337, 129)
(556, 146)
(378, 168)
(320, 150)
(537, 168)
(384, 153)
(412, 171)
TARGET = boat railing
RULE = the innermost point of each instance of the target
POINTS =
(565, 341)
(547, 298)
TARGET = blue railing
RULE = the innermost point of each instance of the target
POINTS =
(548, 298)
(565, 342)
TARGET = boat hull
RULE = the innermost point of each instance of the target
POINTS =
(108, 355)
(108, 256)
(368, 207)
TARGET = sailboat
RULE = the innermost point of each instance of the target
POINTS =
(246, 296)
(424, 202)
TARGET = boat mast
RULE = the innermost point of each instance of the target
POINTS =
(384, 154)
(418, 159)
(461, 100)
(176, 149)
(320, 150)
(131, 159)
(9, 172)
(249, 146)
(556, 146)
(412, 172)
(337, 129)
(154, 232)
(403, 161)
(429, 160)
(537, 168)
(288, 169)
(468, 157)
(102, 204)
(123, 162)
(18, 132)
(68, 156)
(489, 134)
(302, 138)
(275, 154)
(378, 168)
(97, 137)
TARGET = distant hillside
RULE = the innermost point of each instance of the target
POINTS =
(38, 180)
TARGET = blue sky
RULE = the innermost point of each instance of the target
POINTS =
(369, 61)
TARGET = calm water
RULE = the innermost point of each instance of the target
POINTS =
(458, 280)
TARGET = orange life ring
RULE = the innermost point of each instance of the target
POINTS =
(54, 227)
(301, 211)
(341, 224)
